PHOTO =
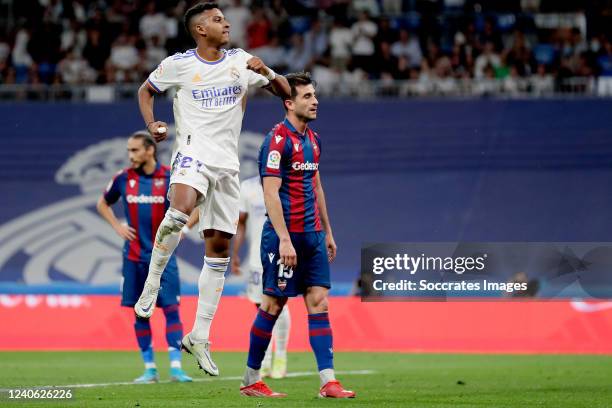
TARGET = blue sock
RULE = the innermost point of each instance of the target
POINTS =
(174, 327)
(261, 332)
(143, 335)
(174, 332)
(321, 340)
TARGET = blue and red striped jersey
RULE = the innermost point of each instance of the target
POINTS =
(294, 157)
(145, 204)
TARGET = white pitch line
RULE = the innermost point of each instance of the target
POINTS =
(210, 379)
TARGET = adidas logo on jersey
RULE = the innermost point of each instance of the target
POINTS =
(145, 199)
(196, 78)
(308, 166)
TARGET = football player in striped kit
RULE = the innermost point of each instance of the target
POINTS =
(142, 189)
(297, 243)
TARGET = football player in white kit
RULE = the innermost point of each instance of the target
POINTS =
(211, 85)
(250, 225)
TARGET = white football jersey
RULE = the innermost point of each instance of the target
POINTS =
(209, 103)
(252, 203)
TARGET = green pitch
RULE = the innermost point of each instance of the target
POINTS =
(380, 380)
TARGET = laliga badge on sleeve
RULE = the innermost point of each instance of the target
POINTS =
(274, 158)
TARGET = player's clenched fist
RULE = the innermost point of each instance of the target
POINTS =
(159, 130)
(257, 65)
(287, 253)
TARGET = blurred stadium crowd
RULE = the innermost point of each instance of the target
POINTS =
(433, 46)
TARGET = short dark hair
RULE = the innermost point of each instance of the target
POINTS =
(147, 140)
(296, 79)
(194, 11)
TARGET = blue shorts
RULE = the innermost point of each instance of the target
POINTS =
(134, 276)
(312, 265)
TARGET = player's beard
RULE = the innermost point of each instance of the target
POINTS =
(138, 166)
(305, 117)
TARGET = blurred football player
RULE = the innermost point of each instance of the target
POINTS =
(297, 243)
(211, 85)
(250, 224)
(143, 188)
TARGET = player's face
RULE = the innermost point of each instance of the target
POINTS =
(138, 154)
(214, 26)
(305, 103)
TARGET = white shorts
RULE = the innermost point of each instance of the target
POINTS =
(254, 289)
(219, 188)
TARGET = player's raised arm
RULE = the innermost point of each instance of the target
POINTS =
(164, 77)
(329, 239)
(146, 97)
(278, 84)
(271, 185)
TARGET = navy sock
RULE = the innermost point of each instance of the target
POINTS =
(261, 332)
(321, 340)
(174, 328)
(142, 328)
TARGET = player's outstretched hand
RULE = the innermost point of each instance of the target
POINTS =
(288, 257)
(159, 130)
(332, 249)
(126, 232)
(257, 65)
(236, 265)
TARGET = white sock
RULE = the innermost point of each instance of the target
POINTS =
(267, 360)
(280, 333)
(251, 376)
(327, 375)
(175, 364)
(166, 240)
(210, 285)
(150, 365)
